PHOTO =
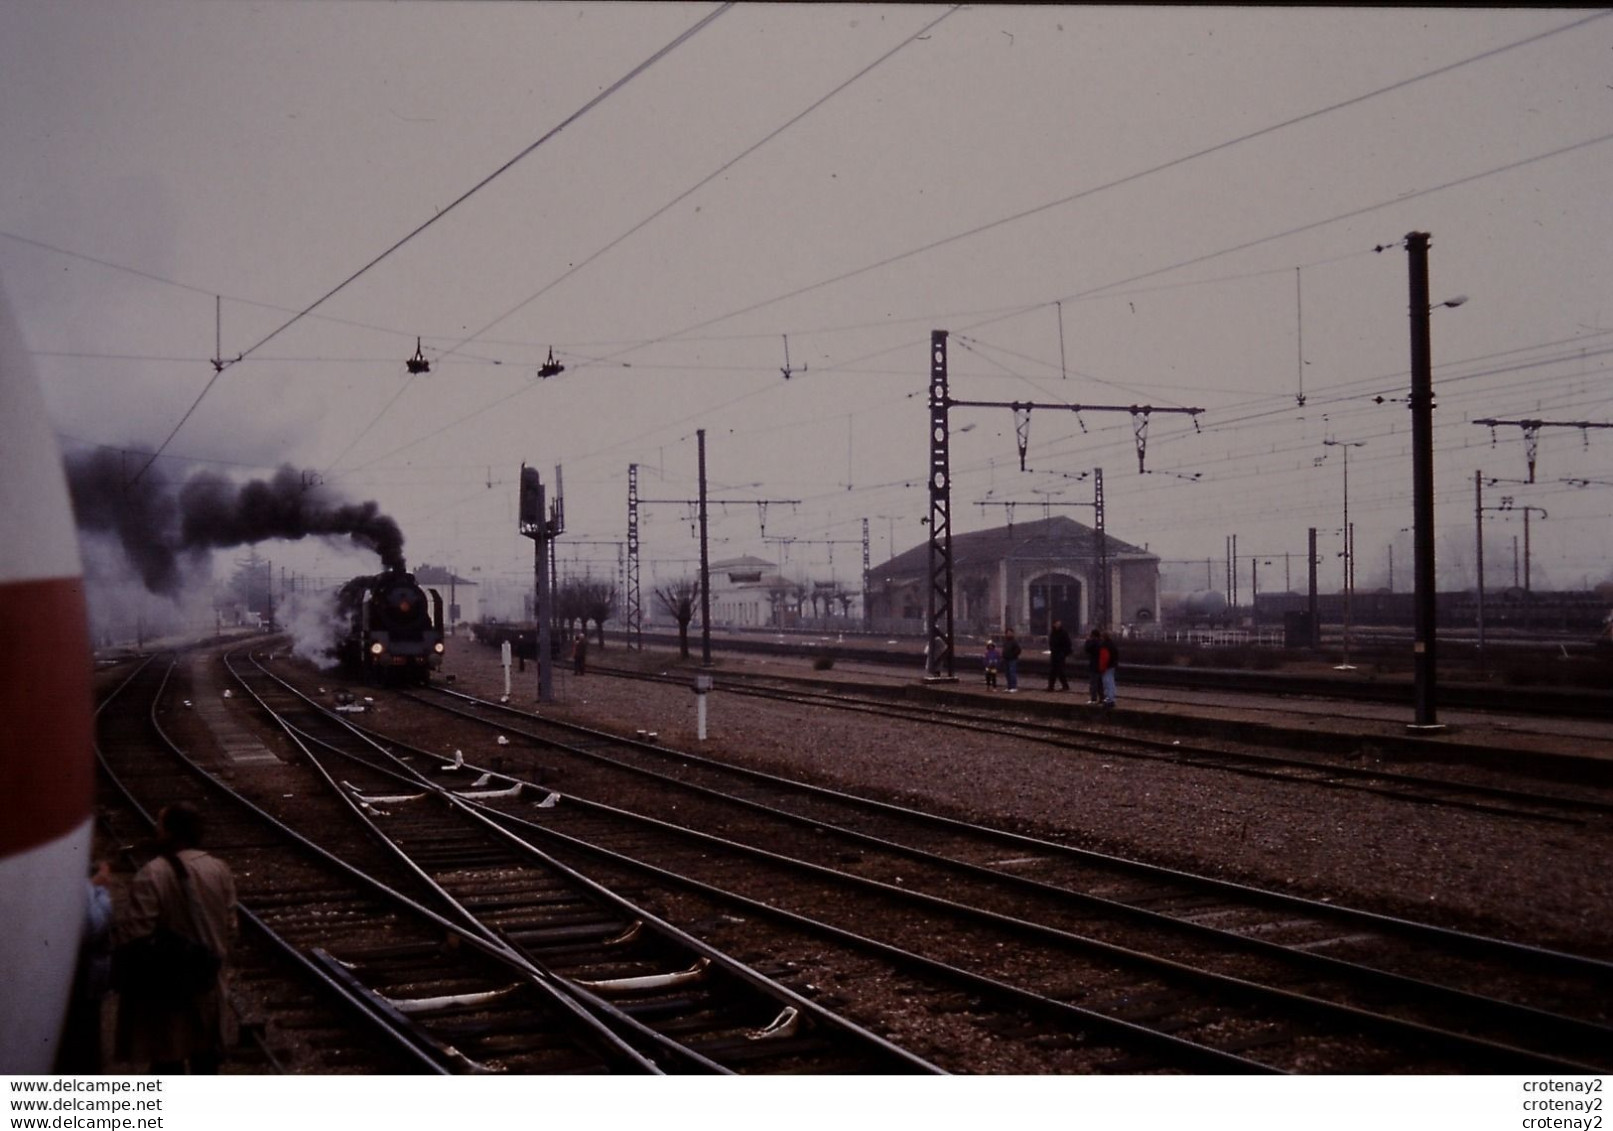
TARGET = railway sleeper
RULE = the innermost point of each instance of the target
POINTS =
(806, 1049)
(474, 1000)
(520, 917)
(621, 987)
(389, 952)
(527, 889)
(711, 1023)
(557, 940)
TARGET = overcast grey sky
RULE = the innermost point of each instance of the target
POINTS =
(1177, 207)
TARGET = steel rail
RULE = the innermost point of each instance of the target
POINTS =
(1522, 953)
(398, 771)
(601, 1015)
(610, 1046)
(399, 1040)
(1560, 1028)
(1513, 1012)
(1266, 766)
(1589, 704)
(1153, 964)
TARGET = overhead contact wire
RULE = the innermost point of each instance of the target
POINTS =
(886, 57)
(220, 369)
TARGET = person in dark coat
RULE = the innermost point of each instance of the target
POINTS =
(1011, 652)
(1059, 647)
(579, 654)
(197, 900)
(1093, 645)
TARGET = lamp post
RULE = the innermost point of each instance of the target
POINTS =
(1422, 485)
(1349, 546)
(1478, 553)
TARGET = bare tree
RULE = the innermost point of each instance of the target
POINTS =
(678, 601)
(599, 604)
(570, 604)
(776, 595)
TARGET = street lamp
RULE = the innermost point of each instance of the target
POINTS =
(1422, 460)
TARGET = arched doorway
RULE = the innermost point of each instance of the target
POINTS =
(1054, 597)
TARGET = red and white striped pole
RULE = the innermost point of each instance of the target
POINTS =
(46, 723)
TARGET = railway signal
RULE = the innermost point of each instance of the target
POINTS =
(543, 526)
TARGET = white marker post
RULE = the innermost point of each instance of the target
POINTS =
(504, 652)
(702, 684)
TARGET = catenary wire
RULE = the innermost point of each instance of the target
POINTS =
(653, 216)
(610, 90)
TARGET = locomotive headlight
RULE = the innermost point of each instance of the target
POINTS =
(437, 647)
(377, 648)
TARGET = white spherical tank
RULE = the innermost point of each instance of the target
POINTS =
(46, 723)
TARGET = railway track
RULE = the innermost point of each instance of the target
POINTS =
(1586, 804)
(1454, 693)
(684, 1004)
(1307, 983)
(400, 987)
(288, 1020)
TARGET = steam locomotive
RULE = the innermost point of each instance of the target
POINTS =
(392, 628)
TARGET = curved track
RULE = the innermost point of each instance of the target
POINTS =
(401, 977)
(1232, 965)
(683, 1003)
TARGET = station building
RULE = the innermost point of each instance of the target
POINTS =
(1023, 576)
(744, 592)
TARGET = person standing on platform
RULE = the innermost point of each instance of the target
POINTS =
(1108, 662)
(990, 661)
(191, 893)
(1094, 643)
(1011, 651)
(1059, 647)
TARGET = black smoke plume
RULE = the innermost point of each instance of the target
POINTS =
(160, 522)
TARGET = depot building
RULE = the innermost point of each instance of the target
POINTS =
(1023, 576)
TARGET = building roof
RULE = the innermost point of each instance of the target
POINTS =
(437, 575)
(746, 563)
(1057, 538)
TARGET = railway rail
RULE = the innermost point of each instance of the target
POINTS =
(1454, 694)
(283, 1004)
(1090, 737)
(1289, 976)
(685, 1004)
(435, 996)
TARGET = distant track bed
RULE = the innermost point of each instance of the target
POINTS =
(1087, 736)
(1237, 920)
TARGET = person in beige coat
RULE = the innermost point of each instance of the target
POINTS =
(190, 1033)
